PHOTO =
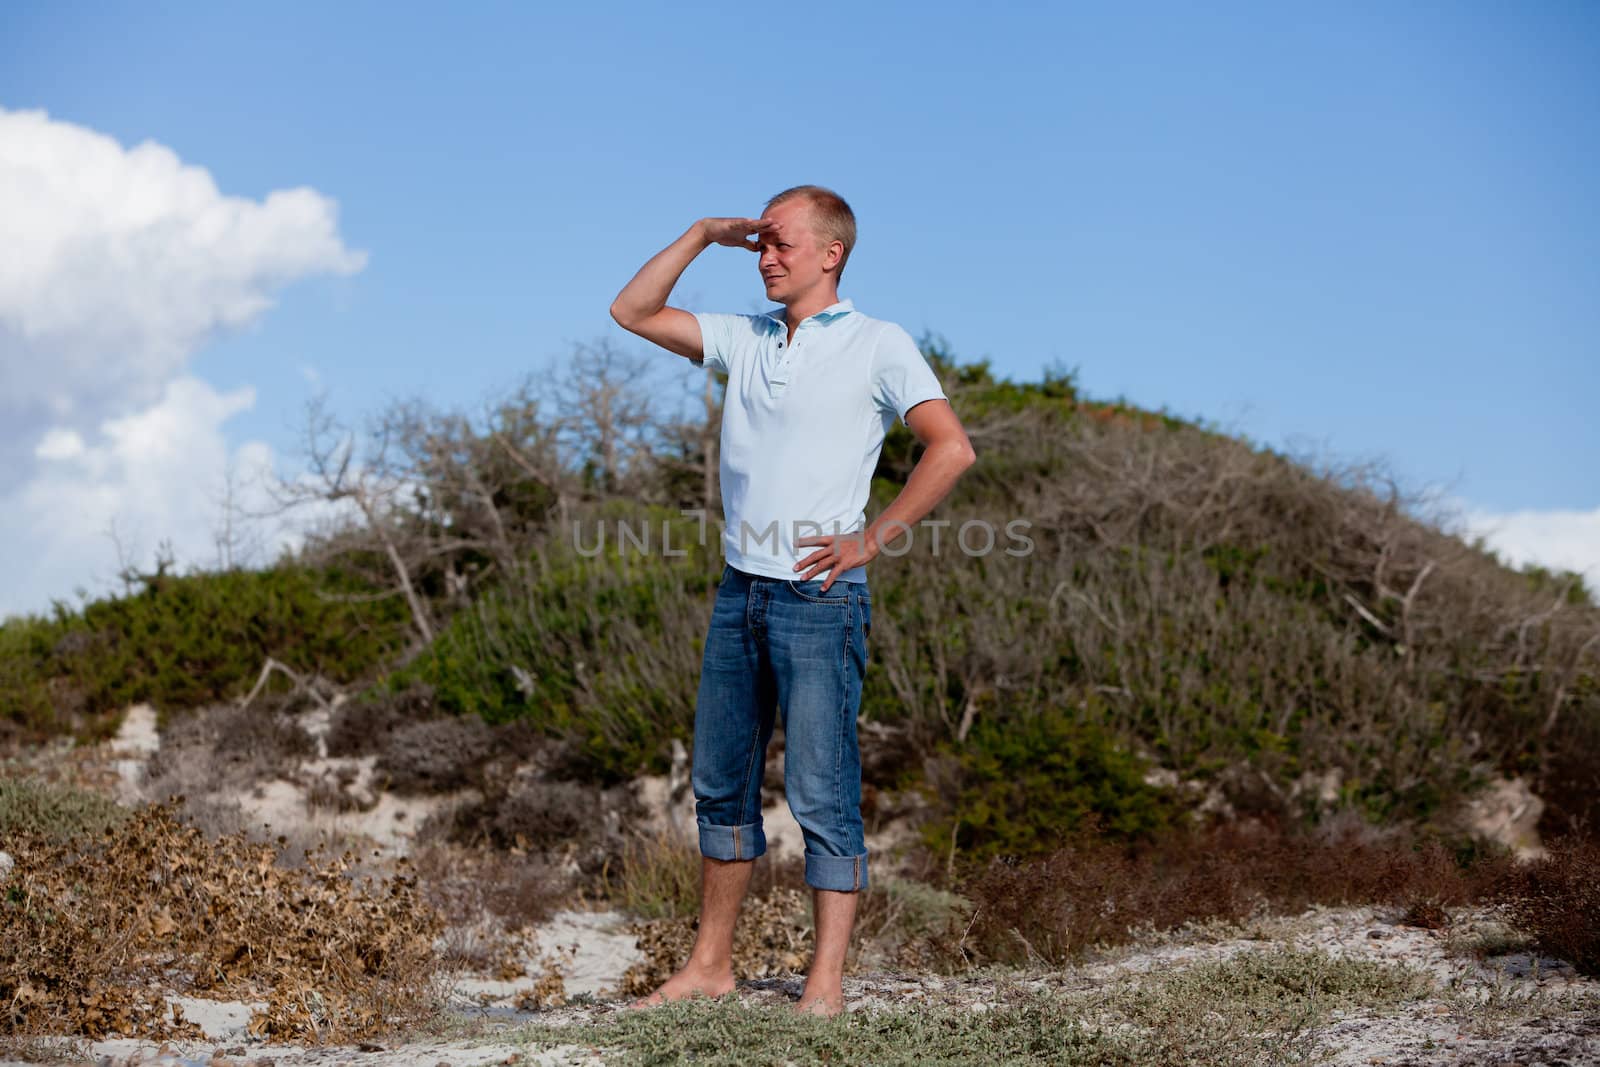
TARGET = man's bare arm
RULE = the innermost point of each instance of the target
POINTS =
(947, 453)
(641, 307)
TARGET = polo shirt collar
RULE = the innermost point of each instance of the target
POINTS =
(832, 311)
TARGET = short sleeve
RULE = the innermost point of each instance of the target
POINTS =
(901, 377)
(717, 334)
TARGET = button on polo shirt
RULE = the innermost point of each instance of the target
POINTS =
(802, 425)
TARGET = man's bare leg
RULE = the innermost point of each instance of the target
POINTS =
(709, 971)
(835, 916)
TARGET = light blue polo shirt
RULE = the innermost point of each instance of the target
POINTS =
(802, 426)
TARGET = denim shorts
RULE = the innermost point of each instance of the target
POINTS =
(784, 647)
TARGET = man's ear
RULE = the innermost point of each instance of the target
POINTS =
(833, 254)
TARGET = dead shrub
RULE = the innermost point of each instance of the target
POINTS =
(1570, 782)
(434, 755)
(63, 1050)
(224, 745)
(466, 884)
(339, 789)
(217, 816)
(420, 751)
(1096, 891)
(580, 822)
(270, 742)
(88, 924)
(1556, 900)
(359, 727)
(486, 898)
(545, 814)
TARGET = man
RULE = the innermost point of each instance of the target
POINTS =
(811, 392)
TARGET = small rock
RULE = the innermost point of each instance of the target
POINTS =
(6, 864)
(1323, 787)
(1507, 812)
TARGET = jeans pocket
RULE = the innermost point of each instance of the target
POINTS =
(838, 593)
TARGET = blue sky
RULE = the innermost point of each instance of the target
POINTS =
(1365, 230)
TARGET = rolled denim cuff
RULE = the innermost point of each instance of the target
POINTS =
(731, 842)
(842, 874)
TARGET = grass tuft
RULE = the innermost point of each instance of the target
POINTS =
(30, 807)
(1254, 1010)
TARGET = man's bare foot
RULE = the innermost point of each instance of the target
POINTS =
(825, 1005)
(691, 981)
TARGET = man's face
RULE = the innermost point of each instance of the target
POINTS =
(793, 255)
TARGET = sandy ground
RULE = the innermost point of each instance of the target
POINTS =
(1508, 1009)
(1456, 1024)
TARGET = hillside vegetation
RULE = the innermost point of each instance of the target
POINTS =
(1286, 638)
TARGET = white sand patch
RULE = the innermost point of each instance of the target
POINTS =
(318, 721)
(601, 949)
(784, 839)
(136, 741)
(591, 950)
(219, 1020)
(138, 736)
(390, 825)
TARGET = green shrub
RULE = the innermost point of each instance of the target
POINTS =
(1022, 785)
(183, 641)
(32, 807)
(604, 651)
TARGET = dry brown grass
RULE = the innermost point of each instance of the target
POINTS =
(1096, 892)
(774, 936)
(657, 877)
(224, 746)
(93, 928)
(486, 898)
(1556, 900)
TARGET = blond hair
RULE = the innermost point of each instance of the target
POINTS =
(831, 217)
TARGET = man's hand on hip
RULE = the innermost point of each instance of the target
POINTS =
(839, 553)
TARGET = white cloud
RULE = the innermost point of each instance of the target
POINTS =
(59, 444)
(159, 476)
(117, 265)
(1558, 540)
(120, 262)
